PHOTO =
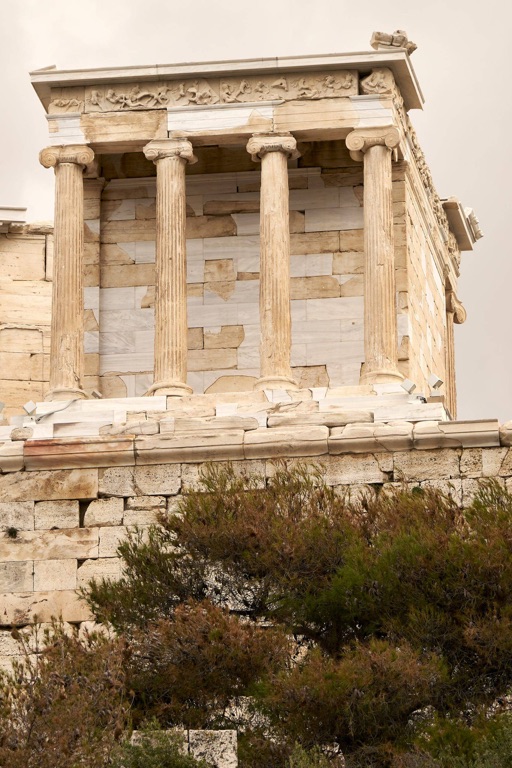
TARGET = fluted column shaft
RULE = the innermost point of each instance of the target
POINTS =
(275, 318)
(170, 157)
(67, 329)
(375, 147)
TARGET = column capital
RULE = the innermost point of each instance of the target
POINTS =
(77, 154)
(361, 140)
(260, 144)
(161, 148)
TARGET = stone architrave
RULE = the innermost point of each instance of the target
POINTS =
(170, 157)
(274, 150)
(67, 330)
(374, 146)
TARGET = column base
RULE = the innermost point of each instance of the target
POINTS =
(276, 382)
(380, 376)
(170, 388)
(65, 393)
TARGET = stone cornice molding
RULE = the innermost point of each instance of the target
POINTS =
(260, 144)
(163, 148)
(360, 140)
(77, 154)
(453, 304)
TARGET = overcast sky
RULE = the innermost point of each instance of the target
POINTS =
(463, 66)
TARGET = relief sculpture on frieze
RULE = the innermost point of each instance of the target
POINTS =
(230, 90)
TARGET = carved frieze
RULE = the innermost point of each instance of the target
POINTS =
(380, 83)
(229, 90)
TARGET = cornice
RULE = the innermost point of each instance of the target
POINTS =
(397, 61)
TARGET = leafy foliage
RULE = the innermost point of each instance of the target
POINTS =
(378, 630)
(65, 705)
(153, 749)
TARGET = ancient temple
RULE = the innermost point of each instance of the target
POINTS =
(249, 260)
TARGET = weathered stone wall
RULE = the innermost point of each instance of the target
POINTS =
(63, 514)
(423, 322)
(25, 309)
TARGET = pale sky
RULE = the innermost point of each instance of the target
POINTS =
(462, 63)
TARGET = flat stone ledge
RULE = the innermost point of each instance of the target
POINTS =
(243, 436)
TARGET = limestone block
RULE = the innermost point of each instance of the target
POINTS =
(219, 269)
(440, 464)
(471, 486)
(319, 287)
(359, 438)
(126, 275)
(347, 469)
(217, 207)
(48, 485)
(226, 384)
(211, 359)
(155, 480)
(17, 514)
(216, 748)
(228, 336)
(315, 242)
(506, 434)
(102, 568)
(294, 441)
(471, 462)
(110, 538)
(348, 263)
(506, 465)
(27, 607)
(210, 226)
(332, 418)
(311, 376)
(102, 512)
(450, 488)
(492, 461)
(22, 257)
(142, 516)
(66, 453)
(11, 456)
(135, 427)
(21, 340)
(54, 575)
(216, 422)
(16, 577)
(145, 502)
(8, 646)
(57, 514)
(78, 543)
(203, 445)
(195, 338)
(351, 240)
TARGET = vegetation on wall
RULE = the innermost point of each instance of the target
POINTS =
(370, 633)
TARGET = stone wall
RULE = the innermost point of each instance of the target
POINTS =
(67, 502)
(424, 320)
(25, 310)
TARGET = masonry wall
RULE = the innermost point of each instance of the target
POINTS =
(60, 527)
(25, 312)
(424, 305)
(326, 224)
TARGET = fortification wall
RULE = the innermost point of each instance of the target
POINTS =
(25, 314)
(67, 502)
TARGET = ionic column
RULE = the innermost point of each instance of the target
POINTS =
(375, 146)
(275, 318)
(67, 339)
(170, 157)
